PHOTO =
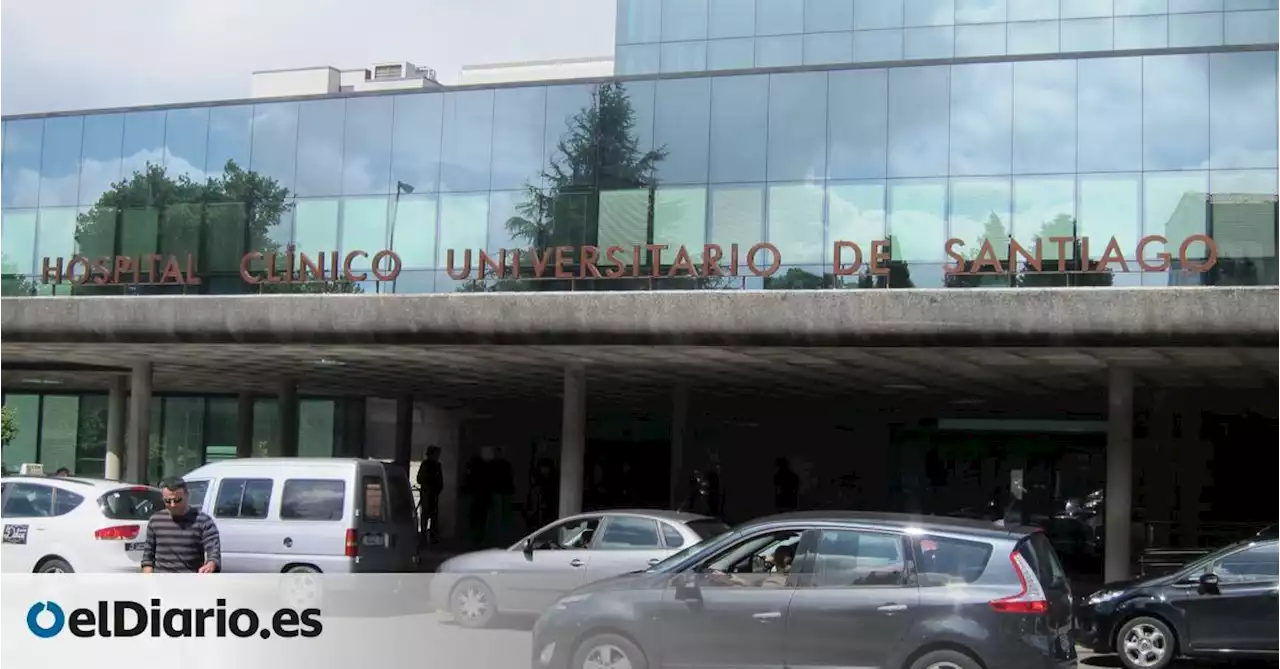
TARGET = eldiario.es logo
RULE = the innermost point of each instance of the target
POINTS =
(123, 618)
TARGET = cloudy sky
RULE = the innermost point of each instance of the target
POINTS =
(81, 54)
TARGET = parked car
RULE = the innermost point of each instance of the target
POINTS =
(71, 524)
(1222, 605)
(528, 576)
(308, 515)
(863, 590)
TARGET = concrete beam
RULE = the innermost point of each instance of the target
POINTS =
(1193, 316)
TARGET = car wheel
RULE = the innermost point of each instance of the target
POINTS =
(472, 604)
(1146, 643)
(55, 566)
(945, 659)
(608, 651)
(302, 588)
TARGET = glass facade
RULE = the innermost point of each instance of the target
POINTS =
(696, 35)
(70, 430)
(222, 199)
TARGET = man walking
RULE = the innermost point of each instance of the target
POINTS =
(180, 540)
(430, 484)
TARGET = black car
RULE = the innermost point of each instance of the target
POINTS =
(827, 590)
(1222, 605)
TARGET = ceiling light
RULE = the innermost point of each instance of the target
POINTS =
(329, 362)
(905, 386)
(43, 382)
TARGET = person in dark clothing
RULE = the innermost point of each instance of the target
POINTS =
(431, 483)
(542, 502)
(504, 490)
(786, 487)
(477, 488)
(181, 540)
(715, 493)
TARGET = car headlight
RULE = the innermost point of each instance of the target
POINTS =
(572, 599)
(1102, 596)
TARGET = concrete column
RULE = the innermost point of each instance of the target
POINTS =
(244, 425)
(288, 426)
(1194, 455)
(139, 441)
(1119, 491)
(117, 413)
(679, 419)
(404, 431)
(573, 440)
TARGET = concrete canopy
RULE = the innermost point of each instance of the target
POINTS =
(921, 317)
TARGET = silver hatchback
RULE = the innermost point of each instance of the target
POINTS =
(530, 575)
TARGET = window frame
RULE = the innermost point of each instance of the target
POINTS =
(240, 504)
(597, 541)
(808, 554)
(204, 485)
(16, 487)
(600, 520)
(917, 554)
(383, 507)
(342, 502)
(797, 565)
(663, 528)
(1216, 565)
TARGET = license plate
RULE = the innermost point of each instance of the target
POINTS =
(373, 540)
(135, 546)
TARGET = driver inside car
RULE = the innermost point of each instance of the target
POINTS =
(777, 570)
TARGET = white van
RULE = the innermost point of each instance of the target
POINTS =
(330, 515)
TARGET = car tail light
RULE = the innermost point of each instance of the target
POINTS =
(1031, 599)
(118, 532)
(353, 548)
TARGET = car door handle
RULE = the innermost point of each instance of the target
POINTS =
(653, 561)
(767, 616)
(891, 608)
(575, 562)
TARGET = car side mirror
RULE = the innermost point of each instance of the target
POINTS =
(528, 548)
(1209, 582)
(687, 589)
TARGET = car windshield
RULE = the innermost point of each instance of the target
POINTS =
(682, 554)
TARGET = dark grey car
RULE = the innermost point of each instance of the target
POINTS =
(862, 590)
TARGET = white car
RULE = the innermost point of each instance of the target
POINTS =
(68, 524)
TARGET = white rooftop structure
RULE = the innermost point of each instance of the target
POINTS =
(537, 70)
(324, 80)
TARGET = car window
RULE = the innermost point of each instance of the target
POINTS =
(625, 532)
(196, 491)
(849, 558)
(671, 536)
(312, 499)
(131, 503)
(1257, 564)
(399, 494)
(65, 501)
(762, 560)
(570, 534)
(947, 561)
(28, 500)
(1039, 553)
(373, 501)
(242, 498)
